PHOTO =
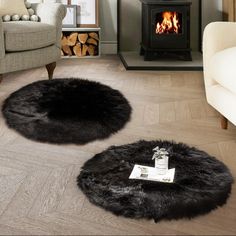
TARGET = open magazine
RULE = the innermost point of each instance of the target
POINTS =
(152, 174)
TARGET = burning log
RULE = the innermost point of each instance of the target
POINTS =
(169, 25)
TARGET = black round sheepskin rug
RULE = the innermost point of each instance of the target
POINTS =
(202, 183)
(66, 111)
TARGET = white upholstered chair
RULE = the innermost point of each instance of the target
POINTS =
(25, 44)
(219, 56)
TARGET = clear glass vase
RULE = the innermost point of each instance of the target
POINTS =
(162, 165)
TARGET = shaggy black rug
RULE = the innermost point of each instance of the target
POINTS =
(202, 183)
(65, 111)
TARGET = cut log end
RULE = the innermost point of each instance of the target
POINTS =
(92, 41)
(84, 50)
(77, 50)
(83, 38)
(66, 49)
(63, 41)
(71, 39)
(79, 44)
(94, 35)
(91, 50)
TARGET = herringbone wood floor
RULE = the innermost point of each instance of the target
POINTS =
(38, 192)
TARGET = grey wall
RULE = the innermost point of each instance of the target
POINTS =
(211, 11)
(130, 25)
(108, 22)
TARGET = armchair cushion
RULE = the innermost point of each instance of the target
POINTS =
(53, 14)
(24, 36)
(223, 68)
(10, 7)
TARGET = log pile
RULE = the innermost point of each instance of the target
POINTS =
(79, 44)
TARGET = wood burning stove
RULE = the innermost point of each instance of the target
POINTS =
(166, 29)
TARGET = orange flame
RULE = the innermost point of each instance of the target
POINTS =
(170, 23)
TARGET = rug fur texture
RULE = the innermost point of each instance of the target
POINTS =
(66, 111)
(202, 183)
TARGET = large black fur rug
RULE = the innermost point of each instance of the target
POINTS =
(65, 111)
(202, 183)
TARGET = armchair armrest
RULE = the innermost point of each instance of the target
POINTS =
(2, 48)
(217, 37)
(53, 14)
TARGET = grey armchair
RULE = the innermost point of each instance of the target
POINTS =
(26, 44)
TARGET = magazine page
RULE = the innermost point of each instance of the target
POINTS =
(152, 174)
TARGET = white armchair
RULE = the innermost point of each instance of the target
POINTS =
(219, 57)
(25, 44)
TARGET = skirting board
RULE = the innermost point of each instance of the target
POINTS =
(109, 47)
(133, 61)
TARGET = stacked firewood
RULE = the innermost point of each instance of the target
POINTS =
(79, 44)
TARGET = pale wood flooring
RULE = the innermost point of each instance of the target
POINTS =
(38, 192)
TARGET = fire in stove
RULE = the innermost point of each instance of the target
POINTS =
(168, 23)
